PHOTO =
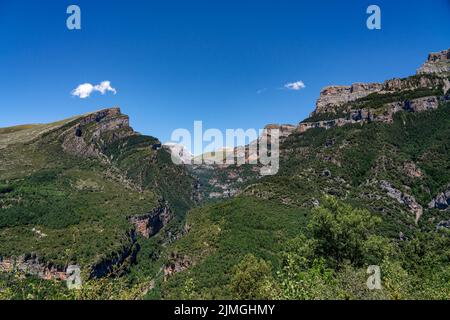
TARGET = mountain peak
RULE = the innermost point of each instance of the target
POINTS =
(87, 133)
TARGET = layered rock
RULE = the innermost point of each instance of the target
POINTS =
(284, 130)
(86, 136)
(335, 96)
(438, 62)
(332, 98)
(336, 99)
(369, 115)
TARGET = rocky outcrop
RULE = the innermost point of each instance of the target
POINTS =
(86, 135)
(443, 224)
(284, 130)
(438, 62)
(336, 99)
(327, 124)
(370, 115)
(422, 104)
(150, 224)
(177, 263)
(335, 96)
(403, 198)
(332, 98)
(75, 144)
(411, 170)
(98, 116)
(31, 265)
(441, 201)
(413, 83)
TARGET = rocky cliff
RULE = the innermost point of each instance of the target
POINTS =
(151, 223)
(84, 187)
(31, 265)
(332, 97)
(366, 102)
(86, 136)
(385, 113)
(438, 62)
(441, 201)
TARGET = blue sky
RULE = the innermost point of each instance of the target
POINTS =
(222, 62)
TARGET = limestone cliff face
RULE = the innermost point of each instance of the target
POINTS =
(85, 136)
(433, 76)
(150, 224)
(334, 96)
(28, 265)
(284, 130)
(369, 115)
(438, 62)
(33, 265)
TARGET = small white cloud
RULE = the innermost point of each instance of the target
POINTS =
(84, 90)
(296, 86)
(261, 90)
(105, 86)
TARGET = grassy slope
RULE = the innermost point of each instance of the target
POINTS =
(74, 201)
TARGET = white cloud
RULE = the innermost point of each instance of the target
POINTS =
(84, 90)
(296, 86)
(261, 90)
(105, 86)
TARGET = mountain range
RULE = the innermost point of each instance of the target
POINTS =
(364, 180)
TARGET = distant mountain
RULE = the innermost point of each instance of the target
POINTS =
(180, 153)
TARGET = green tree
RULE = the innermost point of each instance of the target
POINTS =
(252, 279)
(341, 232)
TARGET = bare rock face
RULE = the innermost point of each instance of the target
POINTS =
(367, 115)
(284, 130)
(86, 135)
(150, 224)
(441, 201)
(32, 266)
(422, 104)
(332, 98)
(438, 62)
(336, 96)
(412, 83)
(403, 198)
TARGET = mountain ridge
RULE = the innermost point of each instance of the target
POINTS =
(90, 191)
